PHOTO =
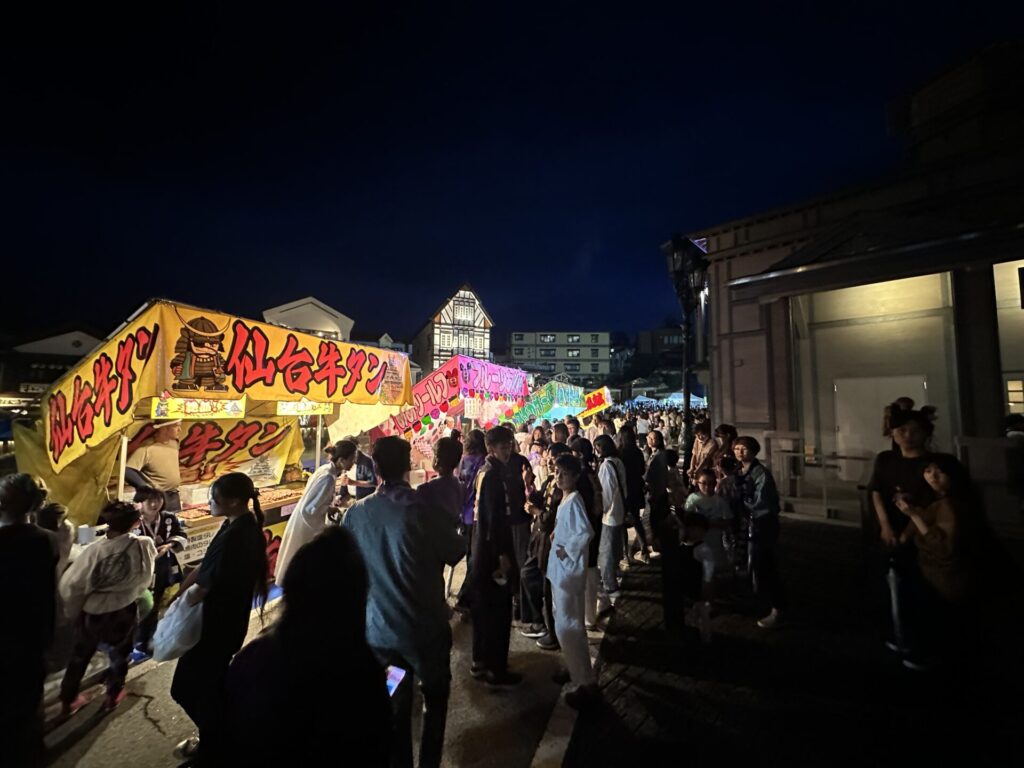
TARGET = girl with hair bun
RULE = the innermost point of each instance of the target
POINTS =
(233, 574)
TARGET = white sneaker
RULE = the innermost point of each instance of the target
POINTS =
(770, 621)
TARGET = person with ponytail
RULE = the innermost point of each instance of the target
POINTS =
(233, 574)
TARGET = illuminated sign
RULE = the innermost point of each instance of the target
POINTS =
(304, 407)
(167, 407)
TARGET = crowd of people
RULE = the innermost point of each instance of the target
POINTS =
(542, 516)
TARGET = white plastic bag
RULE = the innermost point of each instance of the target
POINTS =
(179, 630)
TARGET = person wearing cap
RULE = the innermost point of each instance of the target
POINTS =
(155, 464)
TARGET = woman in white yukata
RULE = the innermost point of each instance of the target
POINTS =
(310, 514)
(567, 572)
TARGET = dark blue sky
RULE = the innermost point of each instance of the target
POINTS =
(239, 159)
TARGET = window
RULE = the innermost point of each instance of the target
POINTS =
(517, 351)
(1015, 395)
(573, 353)
(594, 368)
(572, 367)
(517, 337)
(548, 367)
(595, 352)
(574, 338)
(593, 338)
(463, 311)
(446, 339)
(478, 342)
(547, 352)
(547, 338)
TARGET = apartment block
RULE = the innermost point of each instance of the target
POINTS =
(583, 356)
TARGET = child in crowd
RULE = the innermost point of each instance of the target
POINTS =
(166, 532)
(100, 588)
(719, 513)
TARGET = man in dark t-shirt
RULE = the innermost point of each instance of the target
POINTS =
(895, 473)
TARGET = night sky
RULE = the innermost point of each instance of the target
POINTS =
(238, 159)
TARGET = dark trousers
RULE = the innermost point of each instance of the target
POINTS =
(764, 561)
(531, 599)
(521, 548)
(492, 624)
(431, 668)
(465, 589)
(198, 687)
(672, 594)
(147, 623)
(23, 670)
(637, 522)
(113, 629)
(549, 612)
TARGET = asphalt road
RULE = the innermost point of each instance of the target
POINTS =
(485, 728)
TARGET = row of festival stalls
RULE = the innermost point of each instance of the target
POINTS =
(240, 388)
(462, 394)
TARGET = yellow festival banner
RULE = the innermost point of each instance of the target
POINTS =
(597, 401)
(179, 351)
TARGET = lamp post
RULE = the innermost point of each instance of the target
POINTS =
(688, 269)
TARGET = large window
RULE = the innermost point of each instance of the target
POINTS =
(595, 352)
(547, 352)
(446, 340)
(593, 338)
(572, 367)
(547, 338)
(517, 337)
(594, 368)
(517, 351)
(574, 338)
(573, 353)
(1015, 395)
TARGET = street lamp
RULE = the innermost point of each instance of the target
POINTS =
(688, 269)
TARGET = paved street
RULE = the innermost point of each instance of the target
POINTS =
(821, 691)
(486, 729)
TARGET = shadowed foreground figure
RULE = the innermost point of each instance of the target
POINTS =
(334, 708)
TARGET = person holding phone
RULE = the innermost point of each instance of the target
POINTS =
(492, 566)
(406, 613)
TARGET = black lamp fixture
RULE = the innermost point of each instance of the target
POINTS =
(689, 270)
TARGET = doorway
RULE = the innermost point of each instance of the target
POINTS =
(860, 403)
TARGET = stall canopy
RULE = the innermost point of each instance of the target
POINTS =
(464, 387)
(555, 400)
(676, 399)
(241, 386)
(640, 400)
(596, 401)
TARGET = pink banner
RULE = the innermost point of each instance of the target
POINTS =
(443, 393)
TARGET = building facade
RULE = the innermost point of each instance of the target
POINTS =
(310, 315)
(822, 313)
(460, 326)
(583, 356)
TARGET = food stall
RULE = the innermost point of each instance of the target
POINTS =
(239, 387)
(462, 390)
(555, 400)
